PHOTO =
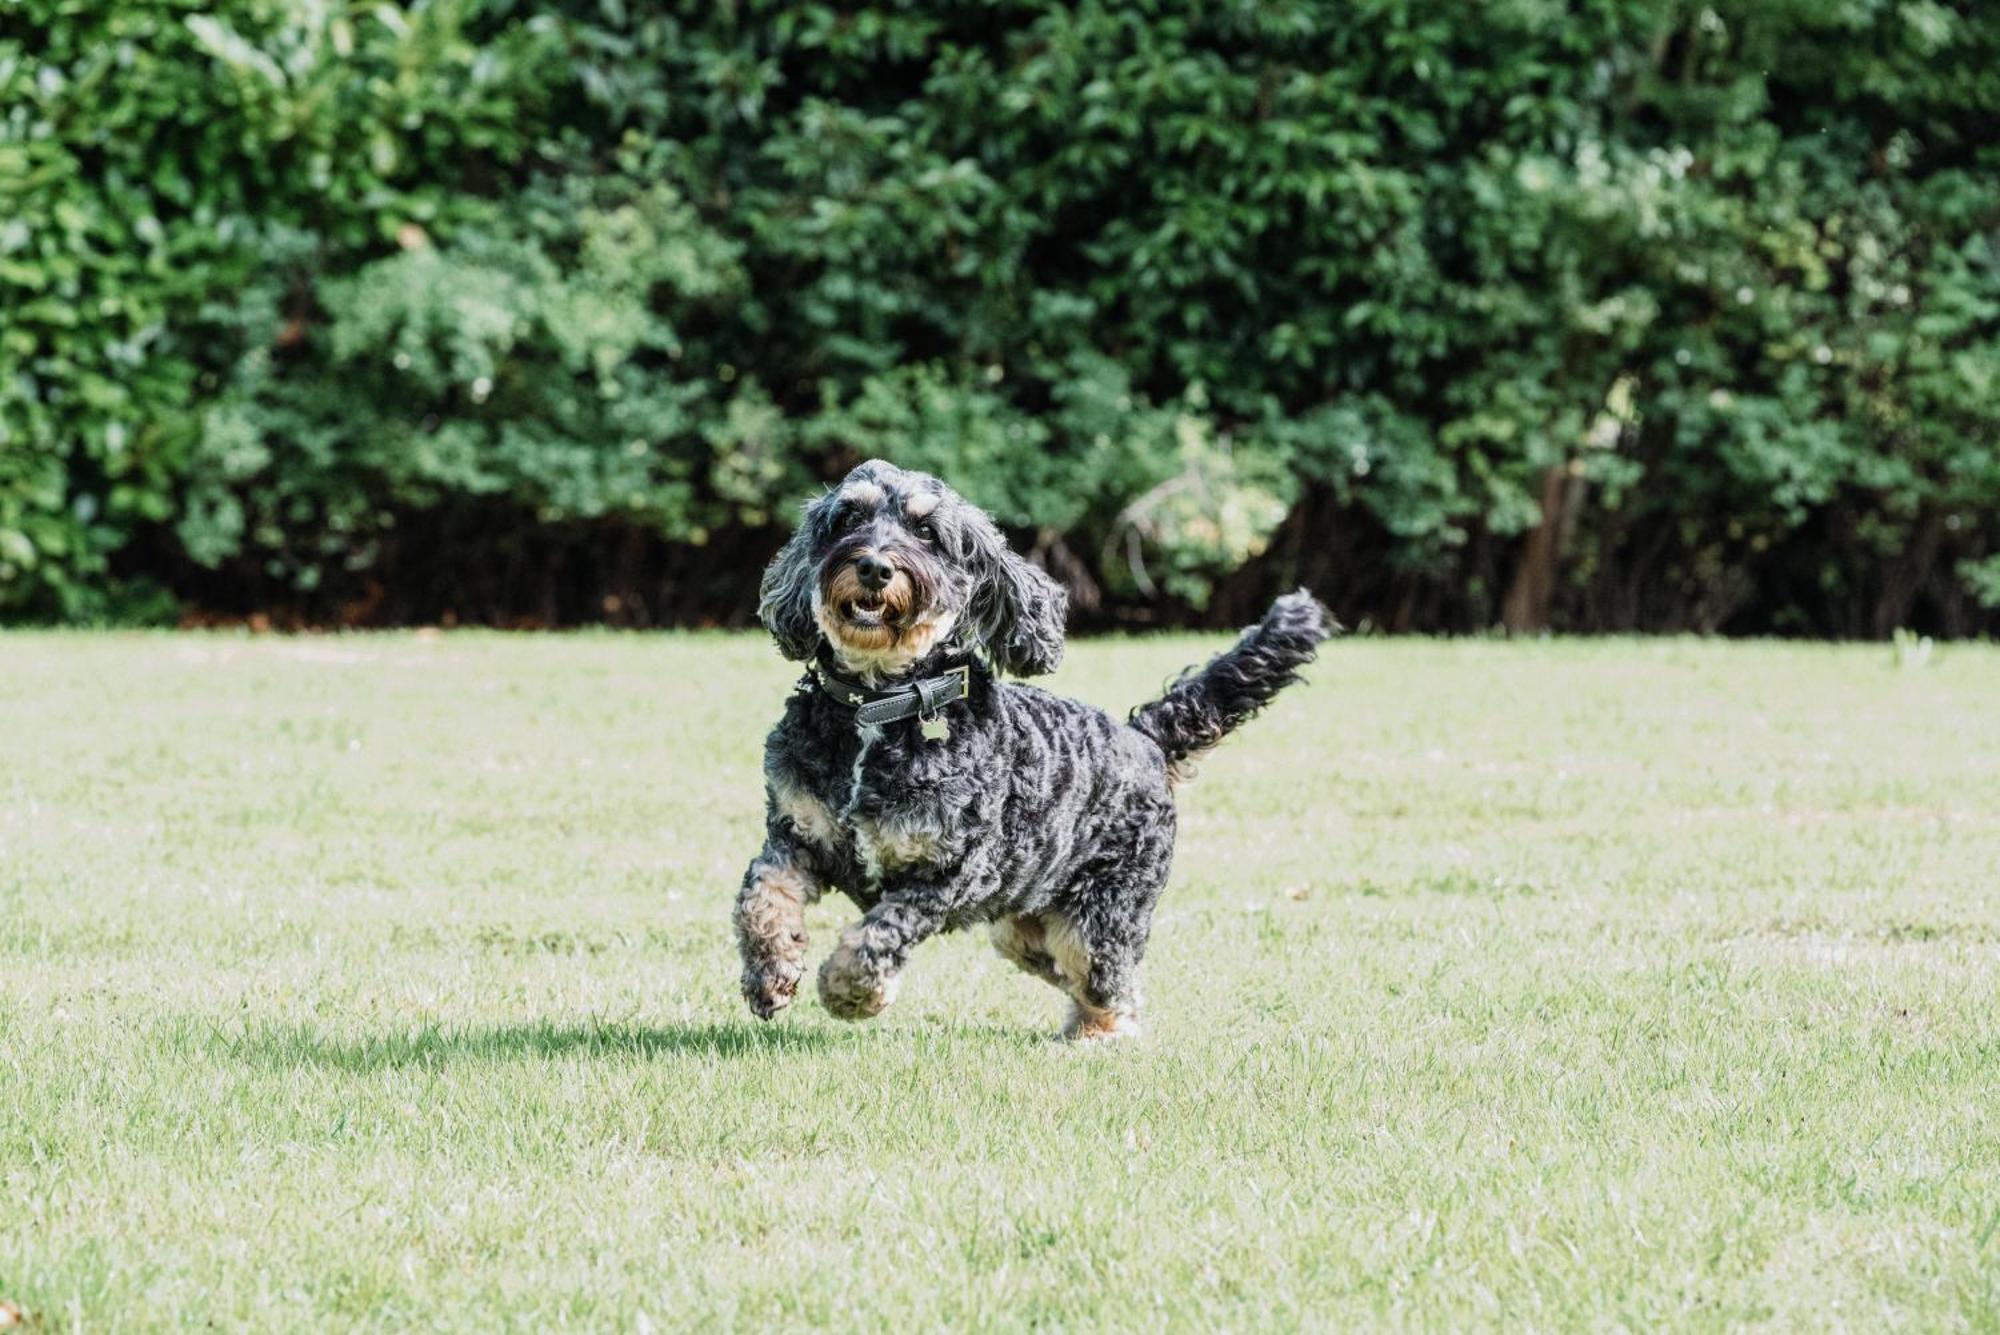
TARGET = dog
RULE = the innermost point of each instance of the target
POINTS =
(908, 776)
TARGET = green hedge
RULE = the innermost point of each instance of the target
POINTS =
(1610, 313)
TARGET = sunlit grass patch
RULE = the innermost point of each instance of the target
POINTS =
(386, 982)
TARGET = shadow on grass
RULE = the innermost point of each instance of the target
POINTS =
(295, 1045)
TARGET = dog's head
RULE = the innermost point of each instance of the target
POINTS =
(891, 564)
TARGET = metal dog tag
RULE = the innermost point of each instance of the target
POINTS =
(935, 729)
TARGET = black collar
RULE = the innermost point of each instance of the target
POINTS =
(921, 698)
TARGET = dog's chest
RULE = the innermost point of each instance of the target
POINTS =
(884, 805)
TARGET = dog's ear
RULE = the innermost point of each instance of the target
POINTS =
(1017, 610)
(785, 598)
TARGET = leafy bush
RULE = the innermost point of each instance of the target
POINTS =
(1621, 314)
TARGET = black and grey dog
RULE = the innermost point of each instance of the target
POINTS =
(934, 796)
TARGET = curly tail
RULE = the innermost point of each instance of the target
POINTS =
(1206, 704)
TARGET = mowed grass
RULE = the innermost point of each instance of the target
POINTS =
(386, 983)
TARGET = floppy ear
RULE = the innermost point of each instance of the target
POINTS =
(1017, 610)
(785, 598)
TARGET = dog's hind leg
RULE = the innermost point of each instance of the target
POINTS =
(1097, 939)
(1103, 1004)
(1021, 941)
(1099, 970)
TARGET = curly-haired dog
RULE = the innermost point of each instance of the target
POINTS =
(904, 775)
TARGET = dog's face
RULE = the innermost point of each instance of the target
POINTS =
(891, 565)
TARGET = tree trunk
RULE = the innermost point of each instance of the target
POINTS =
(1525, 610)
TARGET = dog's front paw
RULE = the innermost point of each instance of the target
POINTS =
(853, 988)
(770, 988)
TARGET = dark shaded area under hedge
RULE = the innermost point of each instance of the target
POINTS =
(1599, 315)
(494, 566)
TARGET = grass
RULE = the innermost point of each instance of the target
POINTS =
(386, 982)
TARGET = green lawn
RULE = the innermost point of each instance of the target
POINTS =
(386, 983)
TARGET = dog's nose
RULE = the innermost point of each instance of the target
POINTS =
(874, 572)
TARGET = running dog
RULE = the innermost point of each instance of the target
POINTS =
(906, 775)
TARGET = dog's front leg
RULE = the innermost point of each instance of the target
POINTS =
(859, 978)
(771, 927)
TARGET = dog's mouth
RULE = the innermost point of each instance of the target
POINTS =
(868, 609)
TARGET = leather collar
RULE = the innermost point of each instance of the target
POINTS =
(922, 698)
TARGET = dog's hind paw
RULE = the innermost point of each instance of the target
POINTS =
(1087, 1024)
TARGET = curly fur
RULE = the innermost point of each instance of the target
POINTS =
(1207, 703)
(1041, 816)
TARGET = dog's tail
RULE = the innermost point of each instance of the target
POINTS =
(1206, 704)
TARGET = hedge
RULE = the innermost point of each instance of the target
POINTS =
(1604, 314)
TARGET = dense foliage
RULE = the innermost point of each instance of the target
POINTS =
(1600, 314)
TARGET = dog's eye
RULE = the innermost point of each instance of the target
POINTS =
(844, 517)
(925, 530)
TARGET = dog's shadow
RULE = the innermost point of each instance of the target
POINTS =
(297, 1045)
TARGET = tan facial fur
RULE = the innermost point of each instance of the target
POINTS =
(883, 647)
(845, 587)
